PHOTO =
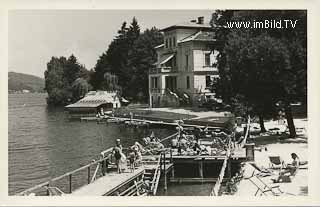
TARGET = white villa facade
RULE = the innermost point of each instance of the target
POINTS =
(185, 66)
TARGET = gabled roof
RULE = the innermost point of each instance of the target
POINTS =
(94, 99)
(199, 36)
(185, 25)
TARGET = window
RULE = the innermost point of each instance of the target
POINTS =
(154, 82)
(171, 82)
(208, 81)
(174, 41)
(166, 43)
(187, 62)
(188, 82)
(207, 59)
(170, 42)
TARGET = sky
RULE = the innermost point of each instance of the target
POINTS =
(37, 35)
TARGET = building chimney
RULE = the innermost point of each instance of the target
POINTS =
(200, 20)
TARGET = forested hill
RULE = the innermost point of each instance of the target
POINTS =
(21, 81)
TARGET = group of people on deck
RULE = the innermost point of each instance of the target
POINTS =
(185, 143)
(134, 156)
(153, 144)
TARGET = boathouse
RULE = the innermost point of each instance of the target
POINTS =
(93, 101)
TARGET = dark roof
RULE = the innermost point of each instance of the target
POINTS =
(199, 36)
(186, 25)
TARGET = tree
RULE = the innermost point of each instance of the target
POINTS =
(272, 61)
(80, 88)
(54, 82)
(60, 76)
(129, 57)
(141, 58)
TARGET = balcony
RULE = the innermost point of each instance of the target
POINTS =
(163, 70)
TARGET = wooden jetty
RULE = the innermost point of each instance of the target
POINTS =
(102, 180)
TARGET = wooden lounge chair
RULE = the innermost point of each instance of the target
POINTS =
(263, 188)
(276, 162)
(261, 171)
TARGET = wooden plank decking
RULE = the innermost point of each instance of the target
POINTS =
(108, 183)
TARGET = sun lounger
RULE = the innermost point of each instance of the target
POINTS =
(276, 162)
(261, 172)
(263, 188)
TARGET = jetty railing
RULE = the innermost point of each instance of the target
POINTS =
(156, 176)
(216, 188)
(168, 137)
(68, 188)
(246, 133)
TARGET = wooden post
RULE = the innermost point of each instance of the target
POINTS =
(48, 192)
(201, 169)
(164, 162)
(250, 151)
(229, 168)
(171, 160)
(70, 183)
(103, 168)
(107, 163)
(161, 161)
(172, 172)
(165, 172)
(88, 174)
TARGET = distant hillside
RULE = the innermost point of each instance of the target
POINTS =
(20, 81)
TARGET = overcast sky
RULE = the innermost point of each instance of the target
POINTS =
(36, 36)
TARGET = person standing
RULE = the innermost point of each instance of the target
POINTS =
(118, 144)
(117, 155)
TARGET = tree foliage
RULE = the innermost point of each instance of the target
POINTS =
(65, 80)
(260, 67)
(129, 57)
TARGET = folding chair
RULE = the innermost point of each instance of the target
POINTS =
(263, 188)
(261, 172)
(276, 162)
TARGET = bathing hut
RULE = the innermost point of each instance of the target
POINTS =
(93, 102)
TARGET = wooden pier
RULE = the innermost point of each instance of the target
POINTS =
(106, 185)
(172, 167)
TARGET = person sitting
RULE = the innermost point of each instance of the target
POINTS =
(147, 140)
(196, 147)
(290, 170)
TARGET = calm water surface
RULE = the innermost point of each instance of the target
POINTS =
(44, 144)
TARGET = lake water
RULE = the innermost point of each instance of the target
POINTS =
(44, 144)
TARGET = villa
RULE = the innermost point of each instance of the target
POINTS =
(185, 68)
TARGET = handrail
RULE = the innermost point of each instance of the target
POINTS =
(62, 176)
(156, 181)
(216, 188)
(168, 137)
(243, 142)
(155, 174)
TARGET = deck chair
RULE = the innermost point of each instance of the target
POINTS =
(55, 191)
(261, 172)
(276, 162)
(263, 188)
